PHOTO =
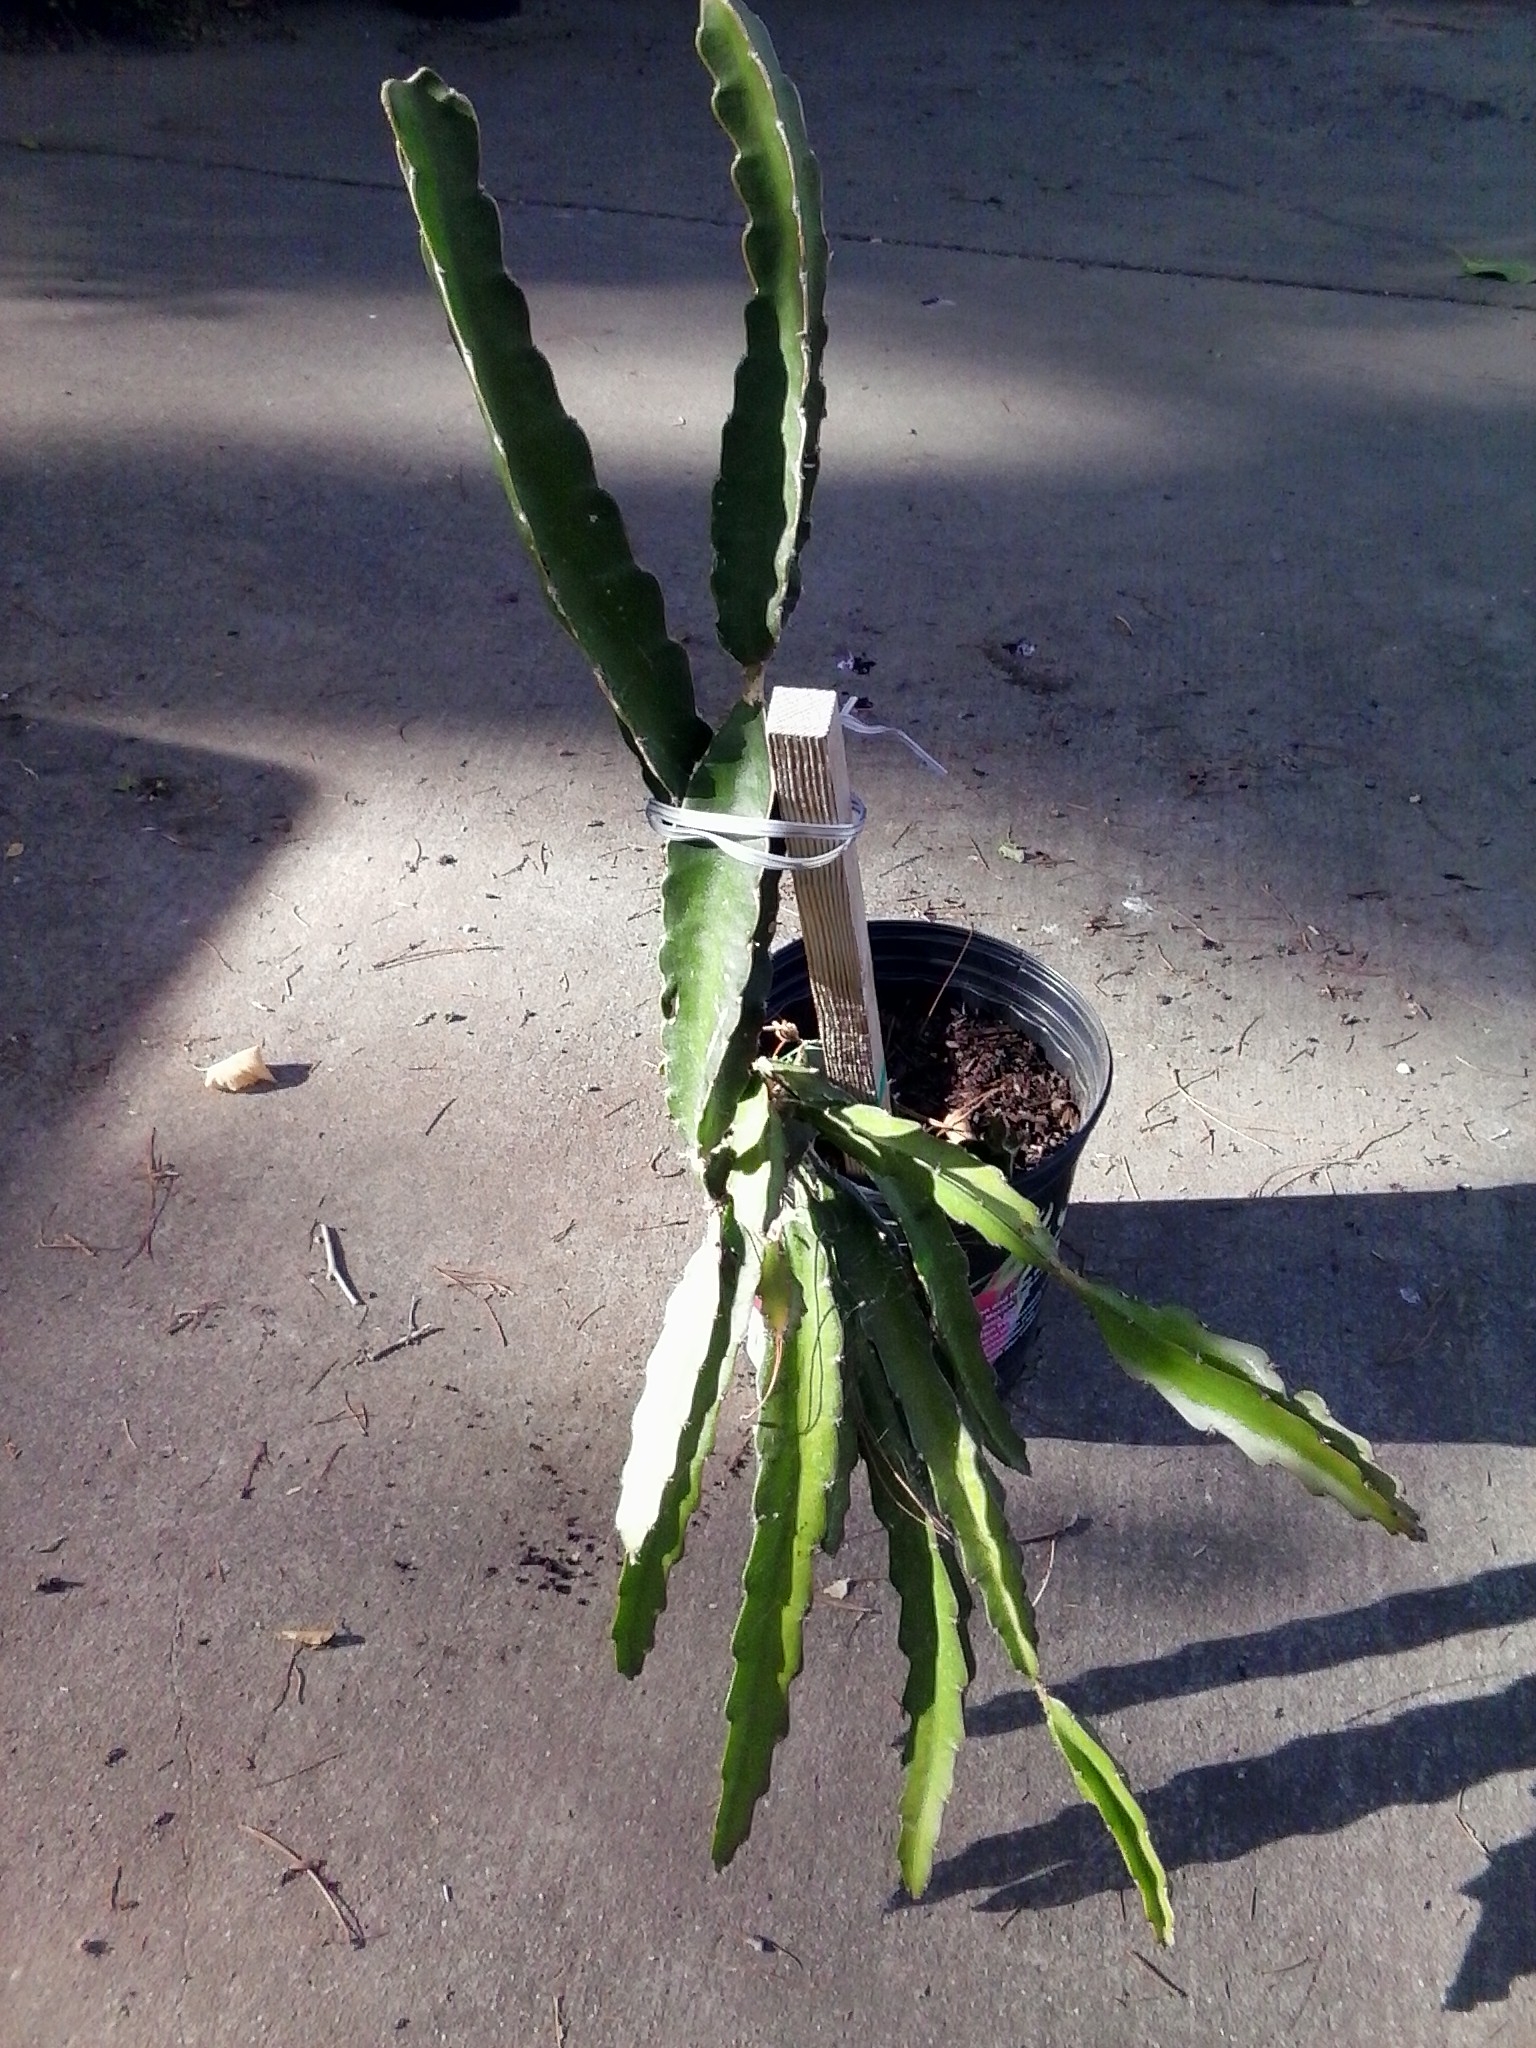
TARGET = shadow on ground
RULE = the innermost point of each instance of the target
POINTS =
(1091, 133)
(1503, 1946)
(1395, 1306)
(1315, 1785)
(128, 855)
(1332, 1274)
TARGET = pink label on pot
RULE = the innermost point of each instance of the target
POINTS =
(1010, 1301)
(1007, 1306)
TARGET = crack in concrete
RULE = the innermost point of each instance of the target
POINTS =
(343, 181)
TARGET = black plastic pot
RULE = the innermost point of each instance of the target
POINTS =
(993, 980)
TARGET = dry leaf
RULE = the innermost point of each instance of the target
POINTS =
(839, 1589)
(15, 850)
(308, 1638)
(240, 1072)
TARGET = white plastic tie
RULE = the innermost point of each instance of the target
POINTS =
(744, 839)
(848, 714)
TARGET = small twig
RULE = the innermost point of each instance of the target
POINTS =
(334, 1264)
(413, 1335)
(1161, 1975)
(773, 1380)
(896, 865)
(289, 1675)
(1401, 1353)
(1179, 1088)
(266, 1784)
(765, 1945)
(1402, 1699)
(1196, 927)
(1301, 929)
(68, 1242)
(359, 1357)
(1306, 1996)
(117, 1903)
(485, 1286)
(944, 984)
(302, 1639)
(1467, 1828)
(1276, 1183)
(128, 1432)
(190, 1318)
(159, 1176)
(434, 953)
(472, 1278)
(261, 1458)
(330, 1891)
(559, 2019)
(838, 1595)
(1242, 1036)
(358, 1410)
(431, 1127)
(213, 949)
(956, 1121)
(903, 1494)
(330, 1461)
(1050, 1566)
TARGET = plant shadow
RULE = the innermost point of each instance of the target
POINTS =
(1395, 1307)
(1503, 1944)
(1364, 1290)
(1393, 1626)
(1317, 1784)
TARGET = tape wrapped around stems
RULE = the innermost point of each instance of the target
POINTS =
(745, 839)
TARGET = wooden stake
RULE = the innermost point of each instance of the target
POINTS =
(810, 774)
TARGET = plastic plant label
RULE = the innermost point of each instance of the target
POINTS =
(1009, 1302)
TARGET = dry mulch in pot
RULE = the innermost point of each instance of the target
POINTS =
(980, 1080)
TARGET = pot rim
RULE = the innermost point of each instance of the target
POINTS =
(1088, 1068)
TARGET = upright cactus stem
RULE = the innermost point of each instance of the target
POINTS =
(770, 448)
(570, 526)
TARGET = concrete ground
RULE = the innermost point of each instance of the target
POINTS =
(1152, 352)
